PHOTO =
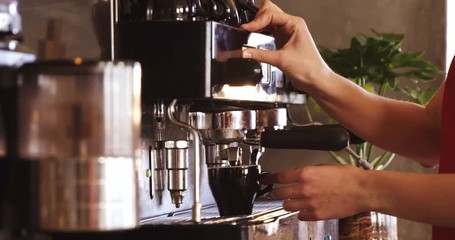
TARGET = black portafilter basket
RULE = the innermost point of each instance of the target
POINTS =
(332, 137)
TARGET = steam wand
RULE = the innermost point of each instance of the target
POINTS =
(113, 20)
(362, 162)
(197, 171)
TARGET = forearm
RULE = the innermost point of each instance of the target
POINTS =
(381, 121)
(425, 198)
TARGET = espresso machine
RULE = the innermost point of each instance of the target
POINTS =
(197, 91)
(136, 152)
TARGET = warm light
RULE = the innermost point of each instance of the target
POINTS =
(77, 61)
(13, 8)
(252, 93)
(137, 76)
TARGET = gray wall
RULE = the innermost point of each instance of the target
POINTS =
(77, 34)
(332, 23)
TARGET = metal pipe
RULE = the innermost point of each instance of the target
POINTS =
(362, 162)
(197, 171)
(113, 21)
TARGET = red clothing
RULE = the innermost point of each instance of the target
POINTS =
(447, 161)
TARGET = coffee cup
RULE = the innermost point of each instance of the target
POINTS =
(235, 188)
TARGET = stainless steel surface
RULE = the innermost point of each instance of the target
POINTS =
(233, 120)
(203, 58)
(158, 158)
(80, 122)
(15, 59)
(157, 151)
(10, 24)
(222, 127)
(95, 194)
(177, 167)
(70, 110)
(196, 157)
(273, 117)
(273, 81)
(233, 155)
(113, 20)
(157, 128)
(268, 221)
(221, 136)
(213, 154)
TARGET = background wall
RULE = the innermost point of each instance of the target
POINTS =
(75, 15)
(332, 23)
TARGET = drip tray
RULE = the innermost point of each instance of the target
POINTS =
(264, 211)
(268, 221)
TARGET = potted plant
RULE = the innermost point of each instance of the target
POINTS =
(377, 64)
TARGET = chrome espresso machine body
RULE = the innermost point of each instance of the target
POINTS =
(209, 100)
(199, 92)
(197, 66)
(202, 106)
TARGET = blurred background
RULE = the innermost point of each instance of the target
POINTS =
(332, 23)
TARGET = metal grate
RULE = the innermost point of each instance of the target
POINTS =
(263, 211)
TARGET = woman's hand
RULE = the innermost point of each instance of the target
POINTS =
(296, 55)
(323, 192)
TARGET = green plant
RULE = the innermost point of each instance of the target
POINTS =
(378, 64)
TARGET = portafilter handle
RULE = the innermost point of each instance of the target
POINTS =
(314, 137)
(311, 137)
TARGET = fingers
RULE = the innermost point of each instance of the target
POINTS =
(294, 205)
(291, 192)
(269, 15)
(306, 211)
(289, 176)
(307, 215)
(265, 56)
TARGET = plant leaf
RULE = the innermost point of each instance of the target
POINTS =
(378, 62)
(369, 87)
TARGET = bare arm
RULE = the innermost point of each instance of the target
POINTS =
(420, 197)
(384, 122)
(402, 127)
(336, 191)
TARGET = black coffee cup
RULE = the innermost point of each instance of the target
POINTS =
(235, 188)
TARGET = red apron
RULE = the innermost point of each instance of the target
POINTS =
(447, 161)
